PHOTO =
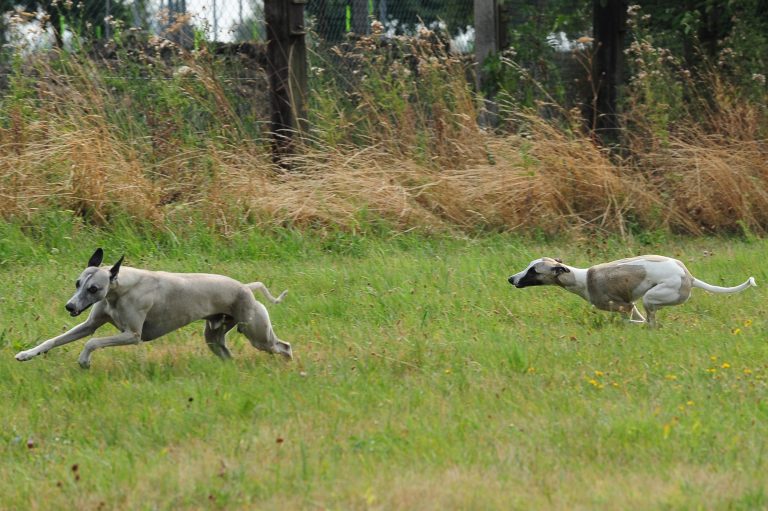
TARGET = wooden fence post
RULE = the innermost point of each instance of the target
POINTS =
(287, 72)
(486, 43)
(610, 25)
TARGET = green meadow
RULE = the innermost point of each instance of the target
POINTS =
(422, 380)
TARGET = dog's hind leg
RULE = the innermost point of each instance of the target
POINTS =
(660, 296)
(215, 335)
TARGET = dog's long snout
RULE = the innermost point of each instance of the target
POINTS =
(511, 280)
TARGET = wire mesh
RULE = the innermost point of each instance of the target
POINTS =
(242, 20)
(333, 20)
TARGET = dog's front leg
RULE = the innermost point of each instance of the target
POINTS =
(121, 339)
(78, 332)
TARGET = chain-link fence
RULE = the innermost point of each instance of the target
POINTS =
(231, 20)
(332, 20)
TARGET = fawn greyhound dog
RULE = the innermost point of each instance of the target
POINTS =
(145, 305)
(615, 286)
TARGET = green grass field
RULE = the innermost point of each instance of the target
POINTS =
(422, 380)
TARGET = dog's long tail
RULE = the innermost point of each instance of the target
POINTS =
(717, 289)
(258, 286)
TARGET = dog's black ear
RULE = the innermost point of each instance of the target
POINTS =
(115, 269)
(96, 258)
(560, 269)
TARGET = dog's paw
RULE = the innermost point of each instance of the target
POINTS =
(23, 356)
(85, 362)
(283, 348)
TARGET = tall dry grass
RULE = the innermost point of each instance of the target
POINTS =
(414, 160)
(548, 180)
(79, 168)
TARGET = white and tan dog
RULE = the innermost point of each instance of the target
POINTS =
(145, 305)
(615, 286)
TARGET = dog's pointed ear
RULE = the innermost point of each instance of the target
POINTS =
(560, 270)
(96, 258)
(115, 269)
(558, 260)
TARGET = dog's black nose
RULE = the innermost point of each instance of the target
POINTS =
(511, 280)
(70, 307)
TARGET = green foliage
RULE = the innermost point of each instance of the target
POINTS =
(674, 53)
(656, 91)
(146, 90)
(532, 69)
(708, 27)
(700, 85)
(721, 54)
(84, 18)
(406, 93)
(20, 99)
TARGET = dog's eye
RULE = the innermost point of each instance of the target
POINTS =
(93, 289)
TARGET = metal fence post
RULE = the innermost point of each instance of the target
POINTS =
(383, 11)
(107, 20)
(287, 72)
(360, 25)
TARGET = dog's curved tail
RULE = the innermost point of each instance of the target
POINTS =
(717, 289)
(258, 286)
